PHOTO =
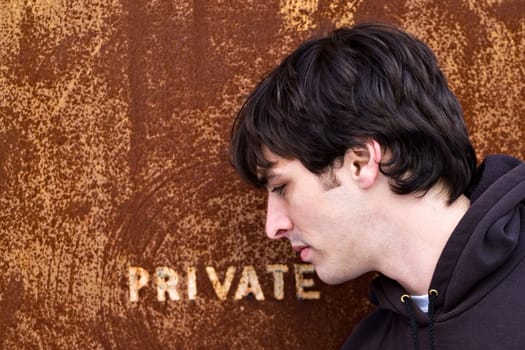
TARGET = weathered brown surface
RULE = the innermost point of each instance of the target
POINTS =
(114, 120)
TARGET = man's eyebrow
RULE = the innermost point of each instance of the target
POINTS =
(266, 174)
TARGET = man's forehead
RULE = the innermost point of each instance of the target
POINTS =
(269, 155)
(266, 173)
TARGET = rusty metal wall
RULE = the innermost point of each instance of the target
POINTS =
(114, 121)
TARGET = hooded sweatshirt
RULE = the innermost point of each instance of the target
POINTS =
(477, 291)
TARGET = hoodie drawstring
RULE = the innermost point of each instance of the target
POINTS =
(432, 295)
(409, 305)
(407, 300)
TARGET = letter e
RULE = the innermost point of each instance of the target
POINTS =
(301, 282)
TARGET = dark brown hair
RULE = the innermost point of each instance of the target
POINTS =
(371, 81)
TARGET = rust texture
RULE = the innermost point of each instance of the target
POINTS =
(114, 123)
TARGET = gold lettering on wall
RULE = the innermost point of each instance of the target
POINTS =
(167, 279)
(249, 284)
(301, 282)
(192, 283)
(221, 289)
(138, 278)
(278, 271)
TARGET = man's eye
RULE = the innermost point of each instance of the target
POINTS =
(278, 189)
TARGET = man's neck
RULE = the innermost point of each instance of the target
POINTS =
(420, 228)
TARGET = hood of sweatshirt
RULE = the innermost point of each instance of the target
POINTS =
(483, 249)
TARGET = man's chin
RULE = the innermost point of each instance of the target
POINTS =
(331, 278)
(328, 278)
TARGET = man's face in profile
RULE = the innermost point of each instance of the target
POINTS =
(329, 226)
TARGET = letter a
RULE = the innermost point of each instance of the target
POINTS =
(249, 283)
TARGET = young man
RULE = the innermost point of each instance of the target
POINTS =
(368, 166)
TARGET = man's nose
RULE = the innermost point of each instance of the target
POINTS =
(278, 223)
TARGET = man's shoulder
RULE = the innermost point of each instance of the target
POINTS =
(375, 331)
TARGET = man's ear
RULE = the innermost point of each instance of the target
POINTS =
(363, 163)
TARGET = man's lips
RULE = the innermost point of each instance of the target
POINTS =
(302, 250)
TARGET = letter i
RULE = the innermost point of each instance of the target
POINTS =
(192, 283)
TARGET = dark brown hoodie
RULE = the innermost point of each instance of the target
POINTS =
(478, 300)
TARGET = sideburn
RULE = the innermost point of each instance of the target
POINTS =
(328, 179)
